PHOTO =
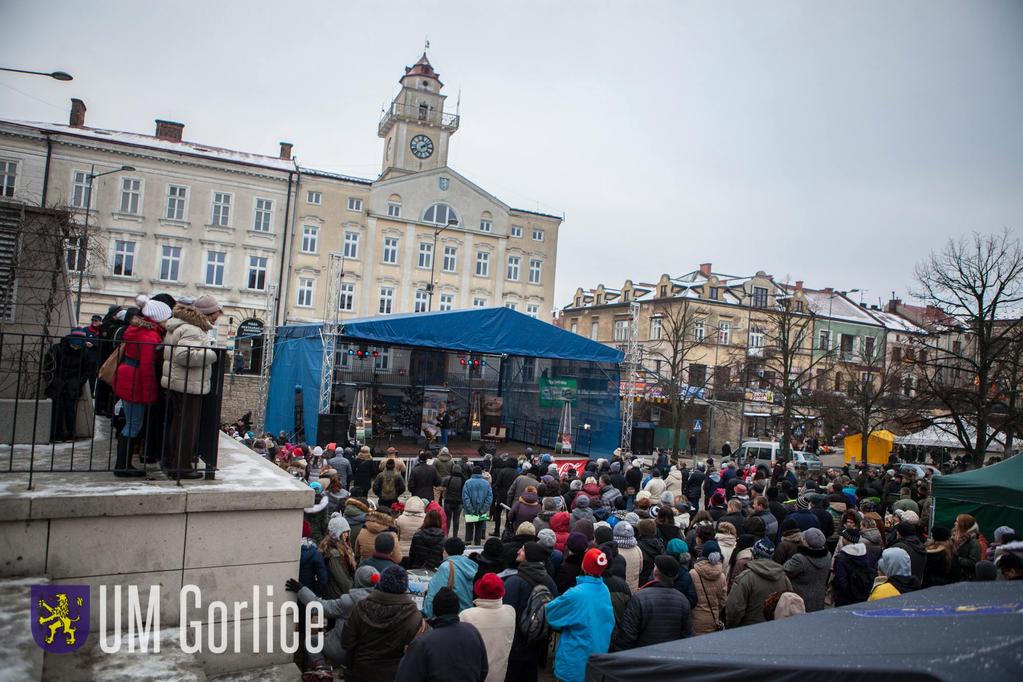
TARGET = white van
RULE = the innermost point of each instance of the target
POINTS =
(765, 453)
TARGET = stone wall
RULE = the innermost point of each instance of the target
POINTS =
(241, 395)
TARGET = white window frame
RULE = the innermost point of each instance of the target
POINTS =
(511, 305)
(699, 331)
(483, 264)
(310, 239)
(420, 301)
(449, 213)
(127, 256)
(390, 252)
(533, 310)
(486, 225)
(393, 209)
(78, 262)
(535, 271)
(313, 197)
(574, 328)
(127, 207)
(218, 266)
(424, 261)
(447, 302)
(354, 204)
(756, 337)
(621, 330)
(724, 333)
(538, 235)
(351, 245)
(170, 256)
(8, 178)
(449, 262)
(80, 188)
(382, 362)
(479, 302)
(255, 268)
(656, 329)
(594, 329)
(263, 216)
(386, 301)
(220, 209)
(513, 272)
(175, 202)
(516, 231)
(346, 297)
(304, 292)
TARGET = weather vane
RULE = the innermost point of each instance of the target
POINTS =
(426, 45)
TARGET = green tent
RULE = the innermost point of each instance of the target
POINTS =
(992, 494)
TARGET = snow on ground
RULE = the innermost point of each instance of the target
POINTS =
(20, 658)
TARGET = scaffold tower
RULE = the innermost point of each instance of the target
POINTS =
(631, 367)
(269, 336)
(331, 329)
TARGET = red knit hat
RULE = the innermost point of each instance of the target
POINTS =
(594, 562)
(307, 529)
(490, 587)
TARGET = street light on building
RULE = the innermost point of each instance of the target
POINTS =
(433, 262)
(55, 75)
(83, 241)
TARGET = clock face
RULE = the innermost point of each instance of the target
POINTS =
(421, 146)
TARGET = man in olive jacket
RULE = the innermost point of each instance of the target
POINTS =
(762, 577)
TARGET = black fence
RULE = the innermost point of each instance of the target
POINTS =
(78, 403)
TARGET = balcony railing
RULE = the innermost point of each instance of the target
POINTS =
(426, 115)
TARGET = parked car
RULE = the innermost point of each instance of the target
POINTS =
(765, 454)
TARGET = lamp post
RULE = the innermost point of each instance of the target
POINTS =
(55, 75)
(84, 240)
(433, 262)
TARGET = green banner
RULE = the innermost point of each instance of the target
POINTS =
(554, 391)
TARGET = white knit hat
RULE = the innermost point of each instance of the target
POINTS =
(157, 311)
(337, 525)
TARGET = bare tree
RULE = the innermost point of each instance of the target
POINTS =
(974, 285)
(1009, 382)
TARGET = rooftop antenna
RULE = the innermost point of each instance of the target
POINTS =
(458, 102)
(426, 44)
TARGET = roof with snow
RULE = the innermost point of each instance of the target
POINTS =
(896, 322)
(834, 305)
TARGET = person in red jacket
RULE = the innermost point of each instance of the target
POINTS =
(136, 384)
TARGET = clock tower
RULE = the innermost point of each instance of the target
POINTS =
(414, 127)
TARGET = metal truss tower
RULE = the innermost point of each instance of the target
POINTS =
(631, 365)
(331, 329)
(269, 337)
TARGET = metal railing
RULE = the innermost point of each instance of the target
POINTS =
(58, 416)
(416, 113)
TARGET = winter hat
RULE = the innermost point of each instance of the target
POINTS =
(942, 534)
(157, 311)
(789, 604)
(803, 502)
(763, 549)
(525, 528)
(446, 601)
(317, 487)
(814, 538)
(552, 503)
(582, 501)
(594, 562)
(667, 566)
(711, 551)
(624, 535)
(585, 527)
(894, 562)
(616, 467)
(577, 543)
(851, 535)
(727, 528)
(632, 518)
(789, 524)
(576, 484)
(547, 538)
(364, 576)
(643, 495)
(490, 586)
(1001, 532)
(984, 571)
(667, 498)
(492, 548)
(602, 533)
(535, 552)
(647, 528)
(740, 490)
(677, 547)
(207, 305)
(908, 517)
(307, 529)
(383, 543)
(337, 525)
(394, 580)
(317, 451)
(454, 546)
(903, 528)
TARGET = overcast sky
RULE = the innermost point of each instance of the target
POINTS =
(833, 142)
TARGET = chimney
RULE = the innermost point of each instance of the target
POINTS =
(169, 130)
(705, 269)
(77, 119)
(286, 151)
(829, 290)
(893, 305)
(799, 285)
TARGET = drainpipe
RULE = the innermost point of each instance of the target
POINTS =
(289, 236)
(284, 250)
(46, 170)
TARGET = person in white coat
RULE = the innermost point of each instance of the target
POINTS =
(495, 621)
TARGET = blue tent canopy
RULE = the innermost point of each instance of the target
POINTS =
(494, 331)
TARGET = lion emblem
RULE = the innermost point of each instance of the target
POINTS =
(59, 618)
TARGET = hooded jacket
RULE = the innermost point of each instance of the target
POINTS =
(651, 547)
(560, 524)
(496, 623)
(477, 495)
(410, 521)
(465, 572)
(585, 619)
(673, 483)
(376, 634)
(745, 603)
(517, 590)
(355, 514)
(808, 572)
(427, 548)
(452, 651)
(790, 543)
(136, 378)
(917, 555)
(188, 354)
(443, 463)
(850, 560)
(709, 582)
(727, 543)
(656, 613)
(525, 509)
(377, 522)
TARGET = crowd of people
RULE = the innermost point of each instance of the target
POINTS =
(148, 367)
(550, 568)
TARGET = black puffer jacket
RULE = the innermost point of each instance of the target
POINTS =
(656, 613)
(427, 550)
(503, 474)
(422, 480)
(917, 555)
(651, 548)
(376, 634)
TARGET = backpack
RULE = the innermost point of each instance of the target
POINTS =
(861, 582)
(388, 489)
(533, 619)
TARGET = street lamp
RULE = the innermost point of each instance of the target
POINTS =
(433, 261)
(84, 240)
(55, 75)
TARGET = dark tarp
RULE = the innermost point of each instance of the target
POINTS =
(958, 632)
(992, 494)
(492, 331)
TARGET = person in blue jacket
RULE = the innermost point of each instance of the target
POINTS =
(464, 574)
(585, 619)
(477, 496)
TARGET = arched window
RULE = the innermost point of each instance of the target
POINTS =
(440, 214)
